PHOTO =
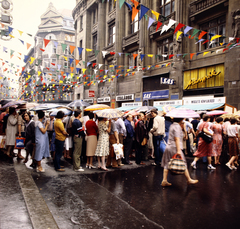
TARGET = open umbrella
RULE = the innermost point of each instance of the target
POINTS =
(216, 112)
(145, 108)
(64, 110)
(78, 103)
(182, 113)
(13, 103)
(97, 107)
(48, 106)
(109, 113)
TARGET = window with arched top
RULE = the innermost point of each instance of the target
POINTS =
(50, 48)
(50, 36)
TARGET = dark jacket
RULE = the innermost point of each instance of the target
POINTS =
(141, 131)
(30, 132)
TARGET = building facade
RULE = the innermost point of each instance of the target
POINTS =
(47, 73)
(173, 67)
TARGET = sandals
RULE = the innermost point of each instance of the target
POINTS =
(40, 169)
(165, 184)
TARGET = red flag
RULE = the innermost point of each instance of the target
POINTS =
(191, 55)
(46, 42)
(158, 25)
(179, 26)
(201, 35)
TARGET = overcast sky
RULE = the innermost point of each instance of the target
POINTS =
(26, 17)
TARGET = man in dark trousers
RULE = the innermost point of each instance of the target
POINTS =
(128, 141)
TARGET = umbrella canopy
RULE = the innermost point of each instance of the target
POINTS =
(182, 113)
(64, 110)
(230, 116)
(145, 108)
(216, 112)
(97, 107)
(48, 106)
(167, 108)
(132, 112)
(13, 103)
(109, 113)
(78, 103)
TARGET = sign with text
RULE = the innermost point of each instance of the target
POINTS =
(104, 100)
(167, 81)
(131, 104)
(91, 93)
(204, 101)
(163, 94)
(168, 102)
(88, 101)
(125, 97)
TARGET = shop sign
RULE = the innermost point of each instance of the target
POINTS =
(125, 97)
(202, 79)
(88, 101)
(104, 100)
(204, 101)
(167, 81)
(131, 104)
(168, 102)
(163, 94)
(91, 93)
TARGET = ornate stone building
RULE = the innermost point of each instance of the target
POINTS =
(103, 26)
(51, 62)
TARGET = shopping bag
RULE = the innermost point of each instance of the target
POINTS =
(177, 165)
(19, 144)
(2, 141)
(118, 150)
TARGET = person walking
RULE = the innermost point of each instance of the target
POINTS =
(128, 141)
(158, 131)
(233, 138)
(41, 141)
(204, 148)
(92, 131)
(175, 146)
(78, 135)
(102, 150)
(217, 139)
(60, 136)
(11, 131)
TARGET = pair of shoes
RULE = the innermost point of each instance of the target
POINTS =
(91, 167)
(142, 163)
(229, 166)
(87, 166)
(60, 170)
(211, 167)
(165, 184)
(192, 181)
(154, 164)
(79, 170)
(234, 167)
(193, 165)
(40, 169)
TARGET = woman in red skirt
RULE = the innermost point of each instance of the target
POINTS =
(233, 149)
(204, 149)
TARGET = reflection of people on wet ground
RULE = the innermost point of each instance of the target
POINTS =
(174, 146)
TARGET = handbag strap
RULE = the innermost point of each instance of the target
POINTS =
(177, 156)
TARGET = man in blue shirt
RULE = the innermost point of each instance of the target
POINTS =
(128, 141)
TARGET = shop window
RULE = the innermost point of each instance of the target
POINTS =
(213, 27)
(111, 39)
(164, 48)
(134, 24)
(212, 76)
(166, 7)
(94, 42)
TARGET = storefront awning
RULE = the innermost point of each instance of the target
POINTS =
(202, 107)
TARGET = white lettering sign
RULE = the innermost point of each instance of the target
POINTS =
(168, 102)
(167, 81)
(104, 100)
(204, 101)
(131, 104)
(125, 97)
(88, 100)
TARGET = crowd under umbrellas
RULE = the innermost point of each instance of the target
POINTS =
(141, 114)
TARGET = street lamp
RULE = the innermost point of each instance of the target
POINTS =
(6, 7)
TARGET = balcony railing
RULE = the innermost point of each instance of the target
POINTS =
(200, 5)
(131, 39)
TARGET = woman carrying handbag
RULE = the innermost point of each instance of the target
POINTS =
(175, 146)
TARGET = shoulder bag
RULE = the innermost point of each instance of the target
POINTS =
(207, 138)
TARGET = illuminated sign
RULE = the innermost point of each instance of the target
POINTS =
(203, 79)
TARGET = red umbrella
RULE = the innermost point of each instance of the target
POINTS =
(216, 112)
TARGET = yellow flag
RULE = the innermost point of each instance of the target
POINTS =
(65, 58)
(205, 53)
(109, 80)
(111, 66)
(84, 69)
(39, 73)
(150, 55)
(60, 81)
(72, 74)
(11, 36)
(113, 76)
(215, 37)
(32, 59)
(178, 34)
(88, 50)
(20, 32)
(128, 70)
(156, 14)
(105, 77)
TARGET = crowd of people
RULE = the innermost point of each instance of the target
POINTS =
(148, 135)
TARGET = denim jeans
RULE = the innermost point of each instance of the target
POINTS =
(59, 145)
(156, 145)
